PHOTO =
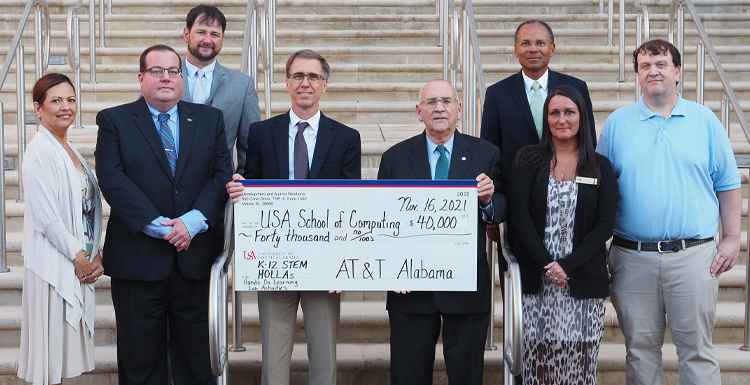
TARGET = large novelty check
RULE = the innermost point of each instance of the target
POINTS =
(356, 235)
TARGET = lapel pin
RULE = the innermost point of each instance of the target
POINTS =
(463, 158)
(189, 120)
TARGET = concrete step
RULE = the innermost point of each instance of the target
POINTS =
(365, 364)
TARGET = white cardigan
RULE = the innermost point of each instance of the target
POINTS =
(53, 223)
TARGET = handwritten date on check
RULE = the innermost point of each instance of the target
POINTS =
(356, 235)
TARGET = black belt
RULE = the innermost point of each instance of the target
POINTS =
(662, 247)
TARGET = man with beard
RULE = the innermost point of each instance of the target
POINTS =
(230, 91)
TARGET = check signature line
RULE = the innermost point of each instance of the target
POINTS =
(422, 235)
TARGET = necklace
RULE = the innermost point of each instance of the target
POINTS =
(566, 205)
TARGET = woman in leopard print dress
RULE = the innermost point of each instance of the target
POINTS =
(563, 198)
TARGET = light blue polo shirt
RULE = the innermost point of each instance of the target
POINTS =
(668, 171)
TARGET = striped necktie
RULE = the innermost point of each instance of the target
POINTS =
(167, 139)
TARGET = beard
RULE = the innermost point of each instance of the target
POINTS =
(196, 52)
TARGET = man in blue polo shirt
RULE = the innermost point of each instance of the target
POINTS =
(677, 175)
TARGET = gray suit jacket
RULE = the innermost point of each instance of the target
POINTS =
(234, 94)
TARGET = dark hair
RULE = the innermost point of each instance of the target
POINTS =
(158, 47)
(39, 93)
(309, 54)
(588, 165)
(656, 47)
(535, 21)
(208, 14)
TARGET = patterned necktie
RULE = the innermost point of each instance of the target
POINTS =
(199, 93)
(537, 105)
(441, 168)
(301, 163)
(168, 141)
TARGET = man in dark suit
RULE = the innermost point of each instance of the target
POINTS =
(512, 115)
(508, 120)
(300, 144)
(162, 164)
(415, 317)
(217, 86)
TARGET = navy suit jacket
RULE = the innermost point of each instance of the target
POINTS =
(136, 180)
(471, 156)
(337, 152)
(506, 118)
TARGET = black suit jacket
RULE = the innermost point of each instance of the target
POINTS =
(586, 266)
(337, 152)
(506, 118)
(136, 180)
(471, 156)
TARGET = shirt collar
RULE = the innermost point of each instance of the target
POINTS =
(528, 82)
(645, 113)
(431, 146)
(207, 70)
(314, 121)
(155, 113)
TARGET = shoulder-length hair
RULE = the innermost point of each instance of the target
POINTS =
(588, 165)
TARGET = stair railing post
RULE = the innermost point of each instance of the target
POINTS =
(92, 40)
(700, 72)
(38, 53)
(610, 20)
(622, 41)
(3, 255)
(746, 346)
(490, 345)
(725, 113)
(21, 117)
(101, 24)
(681, 40)
(236, 317)
(77, 32)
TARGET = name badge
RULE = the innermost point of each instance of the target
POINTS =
(585, 180)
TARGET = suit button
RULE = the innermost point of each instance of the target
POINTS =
(175, 191)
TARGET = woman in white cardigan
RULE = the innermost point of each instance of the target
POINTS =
(61, 235)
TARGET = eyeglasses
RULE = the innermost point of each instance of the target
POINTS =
(313, 78)
(432, 102)
(158, 72)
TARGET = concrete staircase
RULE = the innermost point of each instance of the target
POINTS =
(381, 53)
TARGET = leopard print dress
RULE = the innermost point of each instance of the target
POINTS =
(562, 334)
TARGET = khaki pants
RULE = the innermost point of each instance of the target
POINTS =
(650, 288)
(278, 322)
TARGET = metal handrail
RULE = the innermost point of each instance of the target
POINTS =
(642, 34)
(260, 42)
(73, 37)
(729, 96)
(217, 303)
(513, 339)
(470, 63)
(746, 342)
(42, 61)
(729, 92)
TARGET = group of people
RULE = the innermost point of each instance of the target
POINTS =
(662, 174)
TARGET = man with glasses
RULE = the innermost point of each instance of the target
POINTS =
(208, 82)
(300, 144)
(162, 164)
(440, 152)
